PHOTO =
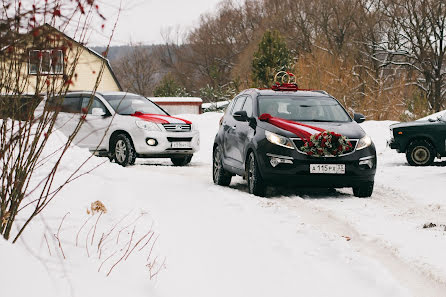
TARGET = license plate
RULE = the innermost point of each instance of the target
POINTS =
(327, 168)
(180, 145)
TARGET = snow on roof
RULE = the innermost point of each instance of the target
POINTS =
(218, 104)
(175, 99)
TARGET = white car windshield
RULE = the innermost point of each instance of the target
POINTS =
(311, 109)
(128, 104)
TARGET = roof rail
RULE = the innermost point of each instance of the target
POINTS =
(320, 91)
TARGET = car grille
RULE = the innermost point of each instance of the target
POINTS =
(179, 139)
(177, 127)
(300, 143)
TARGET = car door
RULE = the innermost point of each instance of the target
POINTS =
(441, 133)
(92, 131)
(69, 114)
(244, 132)
(230, 136)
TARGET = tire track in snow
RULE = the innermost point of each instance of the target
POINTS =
(418, 279)
(316, 212)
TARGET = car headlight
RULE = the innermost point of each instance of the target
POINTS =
(193, 127)
(149, 126)
(279, 140)
(364, 142)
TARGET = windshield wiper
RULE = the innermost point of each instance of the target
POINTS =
(316, 120)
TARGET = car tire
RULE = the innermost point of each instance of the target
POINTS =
(420, 153)
(363, 190)
(181, 161)
(256, 185)
(123, 151)
(220, 176)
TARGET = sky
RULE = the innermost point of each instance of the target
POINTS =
(143, 21)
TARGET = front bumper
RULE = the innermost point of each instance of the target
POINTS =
(166, 143)
(360, 167)
(393, 145)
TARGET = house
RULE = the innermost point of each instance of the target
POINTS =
(179, 105)
(50, 57)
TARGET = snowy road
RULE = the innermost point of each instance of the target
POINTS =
(388, 252)
(221, 241)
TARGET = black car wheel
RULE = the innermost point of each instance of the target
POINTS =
(256, 184)
(123, 151)
(420, 153)
(220, 175)
(363, 190)
(181, 161)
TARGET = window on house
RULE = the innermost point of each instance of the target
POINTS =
(45, 62)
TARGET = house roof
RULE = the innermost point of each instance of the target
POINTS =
(107, 62)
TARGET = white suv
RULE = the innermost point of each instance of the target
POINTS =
(124, 126)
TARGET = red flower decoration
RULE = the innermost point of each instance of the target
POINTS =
(326, 144)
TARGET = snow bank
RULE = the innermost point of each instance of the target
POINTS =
(21, 273)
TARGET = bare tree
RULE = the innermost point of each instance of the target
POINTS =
(138, 71)
(417, 39)
(24, 135)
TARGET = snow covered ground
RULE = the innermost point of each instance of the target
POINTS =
(206, 240)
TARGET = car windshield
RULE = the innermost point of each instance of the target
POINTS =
(311, 109)
(128, 104)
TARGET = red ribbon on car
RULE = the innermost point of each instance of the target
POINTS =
(301, 130)
(158, 118)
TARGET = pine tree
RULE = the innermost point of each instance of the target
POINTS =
(168, 87)
(271, 57)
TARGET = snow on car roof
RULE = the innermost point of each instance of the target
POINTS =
(433, 116)
(175, 99)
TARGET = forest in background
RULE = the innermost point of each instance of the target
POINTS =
(383, 58)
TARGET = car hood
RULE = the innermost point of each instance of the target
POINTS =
(413, 124)
(349, 129)
(160, 119)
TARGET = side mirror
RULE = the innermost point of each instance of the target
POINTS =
(359, 118)
(96, 111)
(240, 116)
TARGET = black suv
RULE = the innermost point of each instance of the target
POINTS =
(421, 141)
(265, 154)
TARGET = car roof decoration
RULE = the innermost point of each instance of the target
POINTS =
(287, 82)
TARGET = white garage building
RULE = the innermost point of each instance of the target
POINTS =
(179, 105)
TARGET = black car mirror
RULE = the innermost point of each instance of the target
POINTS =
(240, 116)
(359, 117)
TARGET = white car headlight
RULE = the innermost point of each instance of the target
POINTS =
(193, 127)
(149, 126)
(364, 142)
(279, 140)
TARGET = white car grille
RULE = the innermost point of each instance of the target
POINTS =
(177, 127)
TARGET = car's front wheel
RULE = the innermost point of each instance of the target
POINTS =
(181, 161)
(256, 185)
(123, 151)
(420, 153)
(220, 176)
(364, 189)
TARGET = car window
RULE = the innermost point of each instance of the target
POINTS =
(248, 106)
(127, 104)
(304, 108)
(238, 104)
(71, 104)
(95, 104)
